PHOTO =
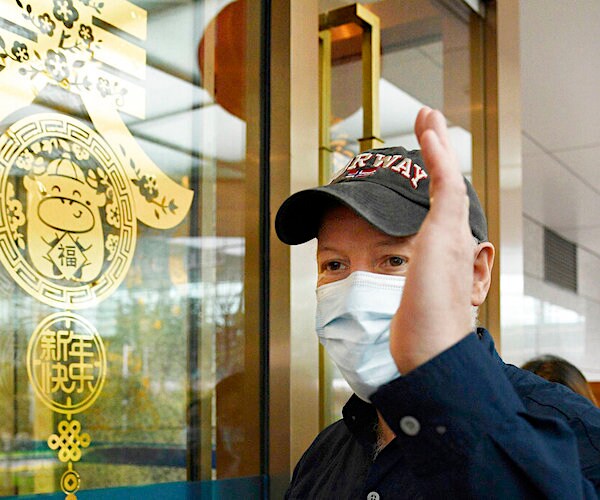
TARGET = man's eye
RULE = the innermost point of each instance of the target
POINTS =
(396, 261)
(333, 265)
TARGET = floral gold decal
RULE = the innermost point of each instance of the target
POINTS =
(66, 49)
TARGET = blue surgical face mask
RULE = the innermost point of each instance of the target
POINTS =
(353, 324)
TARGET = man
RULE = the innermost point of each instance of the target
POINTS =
(403, 259)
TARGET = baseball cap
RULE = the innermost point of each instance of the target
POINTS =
(389, 187)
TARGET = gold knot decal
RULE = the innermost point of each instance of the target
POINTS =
(66, 365)
(69, 440)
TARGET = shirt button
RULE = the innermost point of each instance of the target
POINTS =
(373, 496)
(410, 425)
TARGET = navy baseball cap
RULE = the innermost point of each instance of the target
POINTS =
(389, 187)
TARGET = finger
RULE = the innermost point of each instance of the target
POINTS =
(431, 119)
(437, 150)
(420, 122)
(433, 151)
(446, 182)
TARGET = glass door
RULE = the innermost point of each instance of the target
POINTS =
(429, 54)
(127, 181)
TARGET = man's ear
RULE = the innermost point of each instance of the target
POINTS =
(482, 272)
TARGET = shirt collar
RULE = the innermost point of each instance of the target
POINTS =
(361, 419)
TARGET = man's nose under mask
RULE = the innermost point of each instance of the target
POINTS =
(353, 324)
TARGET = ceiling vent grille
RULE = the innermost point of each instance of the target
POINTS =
(560, 261)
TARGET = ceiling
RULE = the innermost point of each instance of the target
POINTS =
(560, 88)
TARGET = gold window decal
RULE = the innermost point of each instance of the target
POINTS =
(73, 189)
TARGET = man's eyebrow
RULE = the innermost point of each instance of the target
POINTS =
(384, 242)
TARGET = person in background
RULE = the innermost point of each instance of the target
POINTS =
(559, 370)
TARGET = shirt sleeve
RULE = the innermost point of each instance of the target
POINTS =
(460, 421)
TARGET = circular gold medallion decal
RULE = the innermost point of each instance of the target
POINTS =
(70, 481)
(66, 363)
(67, 219)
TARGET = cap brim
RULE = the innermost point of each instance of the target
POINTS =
(299, 217)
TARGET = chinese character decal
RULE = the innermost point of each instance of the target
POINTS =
(66, 363)
(73, 185)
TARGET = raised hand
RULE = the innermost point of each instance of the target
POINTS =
(435, 311)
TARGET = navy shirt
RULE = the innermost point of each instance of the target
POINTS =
(467, 425)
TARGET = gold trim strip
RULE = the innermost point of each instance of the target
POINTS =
(371, 72)
(208, 268)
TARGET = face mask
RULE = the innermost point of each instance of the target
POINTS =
(353, 324)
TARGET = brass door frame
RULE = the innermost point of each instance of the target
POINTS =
(502, 129)
(324, 105)
(293, 399)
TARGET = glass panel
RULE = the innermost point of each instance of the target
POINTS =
(426, 60)
(123, 181)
